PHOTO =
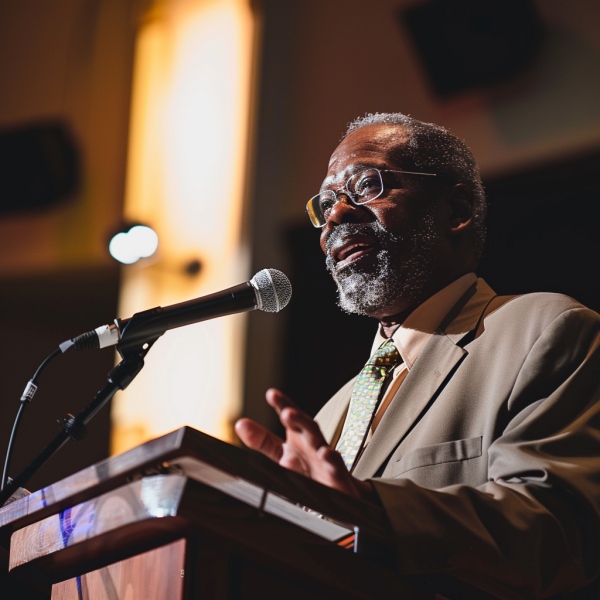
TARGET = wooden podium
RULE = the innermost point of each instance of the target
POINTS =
(187, 516)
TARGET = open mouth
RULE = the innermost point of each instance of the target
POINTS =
(351, 250)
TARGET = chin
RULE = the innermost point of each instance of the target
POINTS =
(390, 288)
(365, 289)
(394, 274)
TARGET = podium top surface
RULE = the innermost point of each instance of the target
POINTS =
(172, 453)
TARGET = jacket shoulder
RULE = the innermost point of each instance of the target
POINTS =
(544, 306)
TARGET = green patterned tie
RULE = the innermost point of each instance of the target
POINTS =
(363, 402)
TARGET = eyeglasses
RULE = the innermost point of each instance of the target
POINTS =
(361, 188)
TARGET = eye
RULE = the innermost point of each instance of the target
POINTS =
(367, 184)
(326, 202)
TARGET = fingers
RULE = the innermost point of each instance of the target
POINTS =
(333, 463)
(294, 419)
(339, 478)
(305, 450)
(297, 421)
(259, 438)
(278, 400)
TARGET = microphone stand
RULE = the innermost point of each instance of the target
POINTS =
(132, 350)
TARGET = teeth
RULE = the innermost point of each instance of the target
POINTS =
(344, 253)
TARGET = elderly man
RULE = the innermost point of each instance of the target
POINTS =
(475, 424)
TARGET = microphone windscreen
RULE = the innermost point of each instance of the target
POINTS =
(273, 288)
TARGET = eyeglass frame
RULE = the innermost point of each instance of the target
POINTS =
(350, 195)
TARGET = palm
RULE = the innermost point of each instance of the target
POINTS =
(304, 450)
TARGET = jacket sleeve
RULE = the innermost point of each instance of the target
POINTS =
(534, 527)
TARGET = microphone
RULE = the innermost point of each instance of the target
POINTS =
(269, 290)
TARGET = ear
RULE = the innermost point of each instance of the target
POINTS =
(460, 208)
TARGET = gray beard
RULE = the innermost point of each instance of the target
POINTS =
(405, 263)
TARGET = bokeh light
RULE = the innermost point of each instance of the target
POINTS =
(129, 246)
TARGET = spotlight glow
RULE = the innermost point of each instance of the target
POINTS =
(187, 163)
(144, 240)
(128, 247)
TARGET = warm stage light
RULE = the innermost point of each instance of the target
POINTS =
(129, 246)
(186, 175)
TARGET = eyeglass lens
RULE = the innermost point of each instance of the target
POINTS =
(367, 185)
(363, 187)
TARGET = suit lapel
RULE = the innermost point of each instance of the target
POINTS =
(436, 361)
(465, 317)
(439, 357)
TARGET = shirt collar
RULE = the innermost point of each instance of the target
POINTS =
(410, 338)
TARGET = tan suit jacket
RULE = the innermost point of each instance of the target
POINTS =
(487, 461)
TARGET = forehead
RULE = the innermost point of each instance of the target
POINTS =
(377, 146)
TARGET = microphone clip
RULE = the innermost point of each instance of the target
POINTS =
(138, 335)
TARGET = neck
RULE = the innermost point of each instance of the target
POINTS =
(393, 320)
(389, 325)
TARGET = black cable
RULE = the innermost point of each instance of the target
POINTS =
(58, 351)
(30, 390)
(11, 444)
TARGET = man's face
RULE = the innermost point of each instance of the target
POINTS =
(384, 253)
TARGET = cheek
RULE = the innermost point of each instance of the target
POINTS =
(393, 217)
(402, 215)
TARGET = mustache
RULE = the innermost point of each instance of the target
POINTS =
(345, 229)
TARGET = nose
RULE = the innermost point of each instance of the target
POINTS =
(345, 211)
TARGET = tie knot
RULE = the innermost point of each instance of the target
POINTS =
(386, 355)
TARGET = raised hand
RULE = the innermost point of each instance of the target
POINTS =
(304, 449)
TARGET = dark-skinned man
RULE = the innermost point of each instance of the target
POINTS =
(475, 424)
